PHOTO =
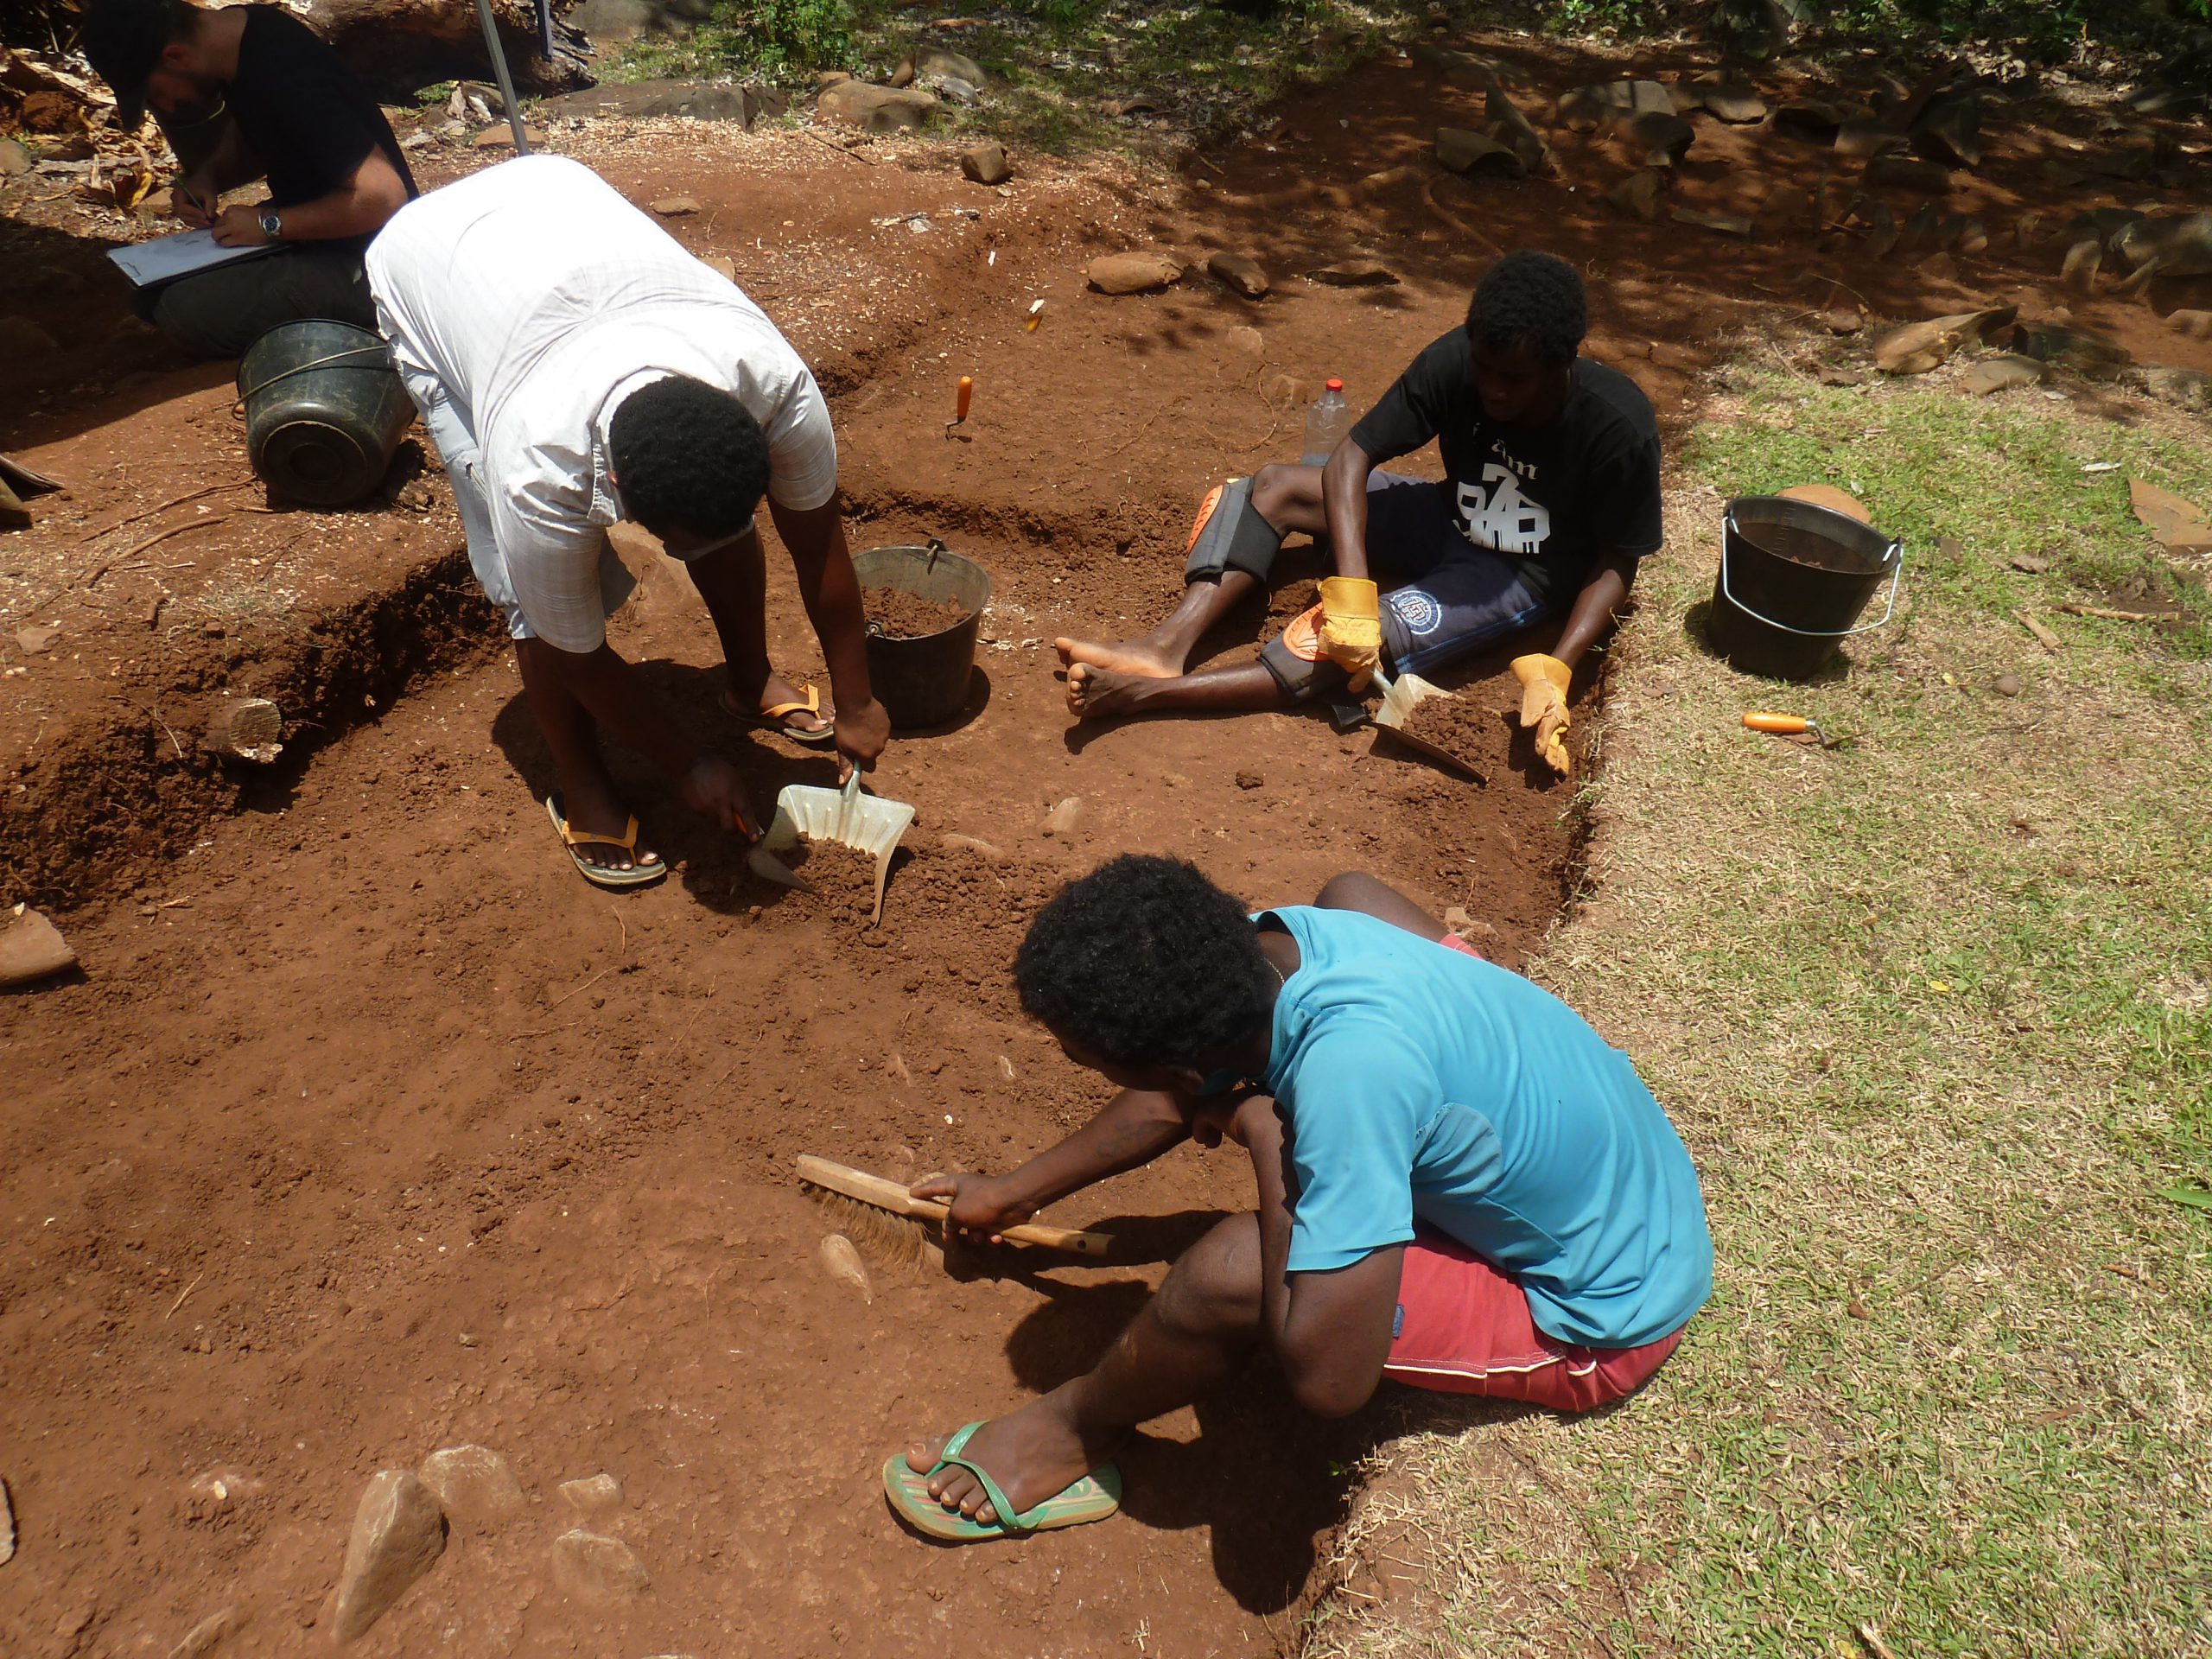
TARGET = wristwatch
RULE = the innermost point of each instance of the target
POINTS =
(271, 225)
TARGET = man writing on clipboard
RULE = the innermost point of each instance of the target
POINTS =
(274, 102)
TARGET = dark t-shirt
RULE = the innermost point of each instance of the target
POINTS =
(306, 116)
(1583, 486)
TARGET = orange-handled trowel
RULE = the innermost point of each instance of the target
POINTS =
(1792, 726)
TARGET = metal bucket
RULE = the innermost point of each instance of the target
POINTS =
(1793, 578)
(923, 681)
(324, 410)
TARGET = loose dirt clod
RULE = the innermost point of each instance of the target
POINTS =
(894, 613)
(843, 878)
(1467, 733)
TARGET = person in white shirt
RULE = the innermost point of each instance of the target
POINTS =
(574, 366)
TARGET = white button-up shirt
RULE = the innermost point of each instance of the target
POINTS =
(519, 302)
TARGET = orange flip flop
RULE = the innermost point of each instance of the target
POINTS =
(776, 718)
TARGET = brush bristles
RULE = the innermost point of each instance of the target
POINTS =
(878, 1235)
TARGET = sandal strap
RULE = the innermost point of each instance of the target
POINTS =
(627, 840)
(1009, 1516)
(810, 703)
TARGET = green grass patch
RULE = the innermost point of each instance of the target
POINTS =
(1203, 67)
(1934, 1012)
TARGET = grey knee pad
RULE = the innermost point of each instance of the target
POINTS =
(1301, 681)
(1232, 536)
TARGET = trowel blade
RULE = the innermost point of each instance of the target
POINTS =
(766, 865)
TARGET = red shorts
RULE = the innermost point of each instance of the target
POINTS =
(1463, 1326)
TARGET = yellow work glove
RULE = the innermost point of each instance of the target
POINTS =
(1544, 681)
(1351, 626)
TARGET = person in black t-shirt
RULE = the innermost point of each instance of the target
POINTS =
(268, 99)
(1550, 499)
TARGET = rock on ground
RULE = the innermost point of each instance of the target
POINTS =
(202, 1637)
(473, 1484)
(1459, 150)
(1132, 273)
(2002, 373)
(1240, 274)
(594, 1495)
(1062, 819)
(398, 1534)
(31, 948)
(875, 109)
(986, 164)
(676, 207)
(1355, 273)
(7, 1526)
(597, 1570)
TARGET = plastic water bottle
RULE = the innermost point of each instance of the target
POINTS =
(1326, 422)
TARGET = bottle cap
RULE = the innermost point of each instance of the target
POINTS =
(1334, 386)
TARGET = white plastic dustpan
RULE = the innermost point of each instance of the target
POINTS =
(866, 823)
(1401, 698)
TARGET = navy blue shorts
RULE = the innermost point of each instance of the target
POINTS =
(1443, 596)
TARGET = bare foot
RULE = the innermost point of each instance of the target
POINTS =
(1100, 693)
(1033, 1454)
(1133, 657)
(592, 809)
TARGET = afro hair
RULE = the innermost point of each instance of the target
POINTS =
(1144, 962)
(1533, 299)
(688, 457)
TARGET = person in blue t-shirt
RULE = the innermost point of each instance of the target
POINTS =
(1461, 1185)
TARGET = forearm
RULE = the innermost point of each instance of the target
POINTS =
(342, 215)
(1594, 612)
(831, 593)
(1128, 1132)
(1270, 1169)
(618, 700)
(1343, 504)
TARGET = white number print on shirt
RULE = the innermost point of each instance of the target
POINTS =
(1503, 518)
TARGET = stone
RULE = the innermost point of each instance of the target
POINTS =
(474, 1485)
(940, 63)
(1132, 273)
(1355, 273)
(2178, 523)
(593, 1495)
(1660, 139)
(1815, 120)
(597, 1570)
(2183, 388)
(1251, 780)
(1866, 136)
(1940, 268)
(875, 109)
(7, 1526)
(398, 1534)
(1638, 193)
(1903, 173)
(1062, 820)
(1948, 130)
(502, 137)
(2196, 324)
(1509, 126)
(2002, 373)
(1917, 347)
(1239, 274)
(676, 207)
(1843, 319)
(34, 641)
(31, 948)
(22, 340)
(14, 159)
(413, 141)
(690, 99)
(1586, 108)
(1250, 341)
(986, 164)
(722, 265)
(2007, 685)
(1725, 224)
(843, 1262)
(1460, 150)
(203, 1637)
(2089, 354)
(1726, 99)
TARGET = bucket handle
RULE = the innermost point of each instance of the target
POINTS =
(936, 546)
(348, 354)
(1896, 550)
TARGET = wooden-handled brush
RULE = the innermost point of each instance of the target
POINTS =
(880, 1194)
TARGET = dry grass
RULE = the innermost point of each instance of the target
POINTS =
(1934, 1014)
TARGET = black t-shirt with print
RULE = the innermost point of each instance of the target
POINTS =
(306, 115)
(1581, 487)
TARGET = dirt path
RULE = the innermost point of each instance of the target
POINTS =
(371, 1128)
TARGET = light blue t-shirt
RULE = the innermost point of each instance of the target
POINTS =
(1420, 1082)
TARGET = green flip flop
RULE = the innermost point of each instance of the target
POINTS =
(1094, 1498)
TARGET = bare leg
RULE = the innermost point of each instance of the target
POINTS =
(733, 581)
(1363, 893)
(1289, 498)
(1190, 1338)
(1105, 694)
(588, 796)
